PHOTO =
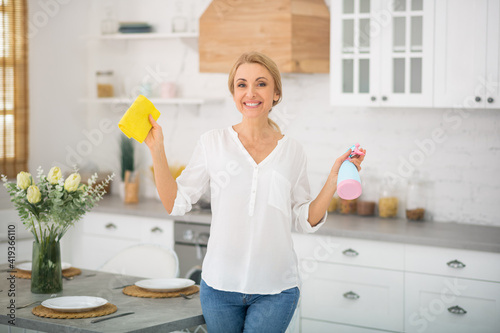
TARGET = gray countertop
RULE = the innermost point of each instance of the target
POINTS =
(440, 234)
(151, 314)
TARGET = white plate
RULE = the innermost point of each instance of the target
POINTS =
(164, 284)
(27, 266)
(74, 303)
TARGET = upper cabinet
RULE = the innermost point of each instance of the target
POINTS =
(382, 53)
(467, 54)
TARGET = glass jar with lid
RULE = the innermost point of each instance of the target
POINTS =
(388, 198)
(416, 199)
(367, 201)
(105, 84)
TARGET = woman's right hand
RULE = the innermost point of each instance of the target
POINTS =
(155, 136)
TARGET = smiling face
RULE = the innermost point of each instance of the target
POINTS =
(254, 90)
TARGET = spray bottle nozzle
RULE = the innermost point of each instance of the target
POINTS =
(355, 151)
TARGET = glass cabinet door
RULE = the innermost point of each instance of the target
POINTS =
(407, 53)
(354, 52)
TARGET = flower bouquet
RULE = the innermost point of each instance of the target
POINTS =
(48, 208)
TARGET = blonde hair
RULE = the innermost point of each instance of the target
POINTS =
(263, 60)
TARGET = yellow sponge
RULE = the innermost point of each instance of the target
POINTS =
(135, 122)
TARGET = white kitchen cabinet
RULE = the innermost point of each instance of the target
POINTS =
(382, 53)
(313, 326)
(453, 262)
(350, 282)
(467, 43)
(98, 237)
(354, 295)
(395, 287)
(349, 251)
(436, 304)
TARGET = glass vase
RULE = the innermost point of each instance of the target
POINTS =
(46, 275)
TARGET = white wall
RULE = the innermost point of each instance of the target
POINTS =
(462, 170)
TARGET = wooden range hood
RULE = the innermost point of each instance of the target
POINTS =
(294, 33)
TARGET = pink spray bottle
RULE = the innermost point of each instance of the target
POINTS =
(348, 181)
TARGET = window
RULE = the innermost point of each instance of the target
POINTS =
(13, 87)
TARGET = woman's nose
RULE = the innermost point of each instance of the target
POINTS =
(250, 91)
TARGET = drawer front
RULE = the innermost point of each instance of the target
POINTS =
(436, 304)
(349, 251)
(453, 262)
(353, 295)
(156, 231)
(313, 326)
(110, 225)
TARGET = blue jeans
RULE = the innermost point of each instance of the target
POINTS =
(232, 312)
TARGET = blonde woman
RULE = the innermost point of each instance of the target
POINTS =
(259, 189)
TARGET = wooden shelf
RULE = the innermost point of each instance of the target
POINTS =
(156, 101)
(144, 36)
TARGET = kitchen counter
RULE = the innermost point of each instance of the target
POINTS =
(151, 314)
(148, 208)
(440, 234)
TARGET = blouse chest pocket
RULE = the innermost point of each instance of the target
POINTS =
(280, 193)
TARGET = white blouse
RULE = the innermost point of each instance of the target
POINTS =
(250, 249)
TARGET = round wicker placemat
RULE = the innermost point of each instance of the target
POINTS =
(140, 292)
(42, 311)
(22, 274)
(72, 271)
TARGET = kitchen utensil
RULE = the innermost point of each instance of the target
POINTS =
(111, 317)
(35, 302)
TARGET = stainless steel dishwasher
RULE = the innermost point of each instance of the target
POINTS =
(190, 244)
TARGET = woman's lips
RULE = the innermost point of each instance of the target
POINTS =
(252, 104)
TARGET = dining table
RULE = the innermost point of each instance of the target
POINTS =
(149, 314)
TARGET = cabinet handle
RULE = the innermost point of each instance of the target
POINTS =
(457, 310)
(478, 99)
(455, 264)
(157, 230)
(111, 225)
(384, 98)
(350, 253)
(490, 100)
(351, 295)
(373, 98)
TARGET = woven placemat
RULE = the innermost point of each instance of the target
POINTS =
(42, 311)
(22, 274)
(140, 292)
(72, 271)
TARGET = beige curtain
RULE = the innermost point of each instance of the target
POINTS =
(13, 87)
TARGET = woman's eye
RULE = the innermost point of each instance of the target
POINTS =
(241, 85)
(262, 84)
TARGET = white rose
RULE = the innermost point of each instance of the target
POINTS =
(24, 180)
(71, 183)
(55, 175)
(34, 196)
